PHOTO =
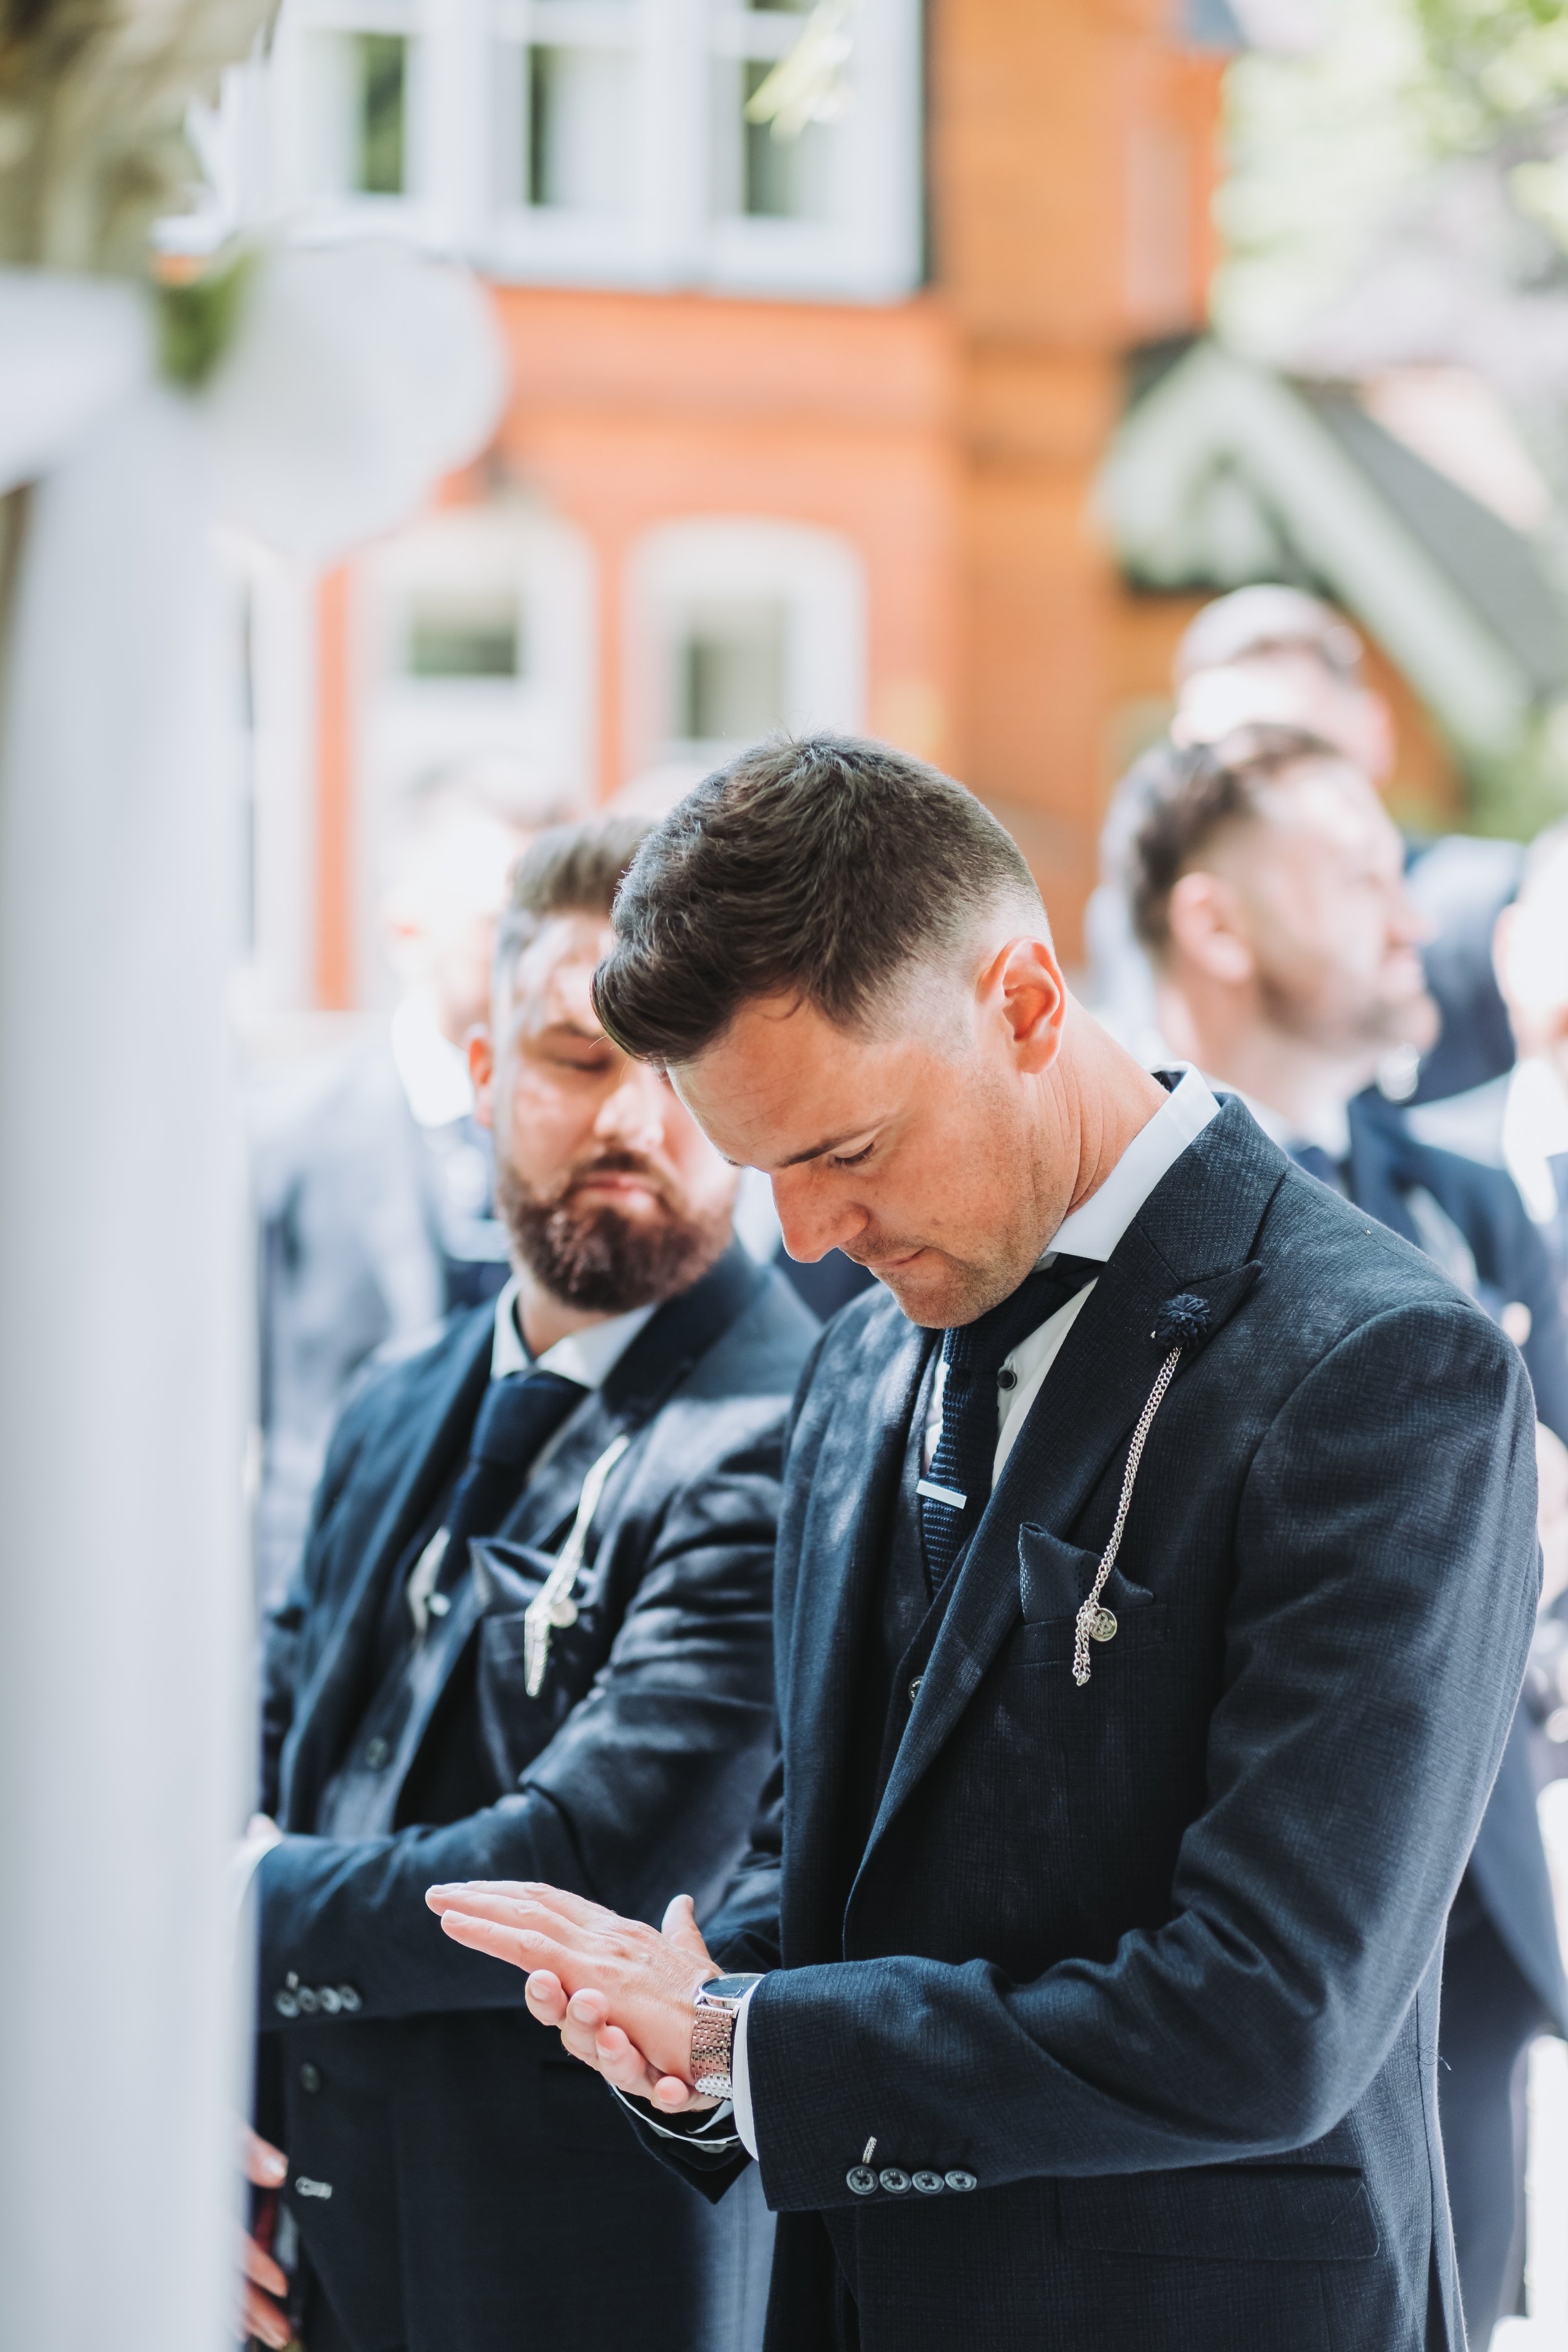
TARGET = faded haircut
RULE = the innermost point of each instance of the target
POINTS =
(1175, 801)
(819, 872)
(571, 870)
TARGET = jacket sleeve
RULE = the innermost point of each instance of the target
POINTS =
(645, 1790)
(1385, 1581)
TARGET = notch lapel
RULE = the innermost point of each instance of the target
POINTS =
(320, 1718)
(1204, 1213)
(854, 1487)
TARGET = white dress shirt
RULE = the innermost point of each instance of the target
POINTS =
(588, 1356)
(1093, 1230)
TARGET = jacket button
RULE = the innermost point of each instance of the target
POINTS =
(307, 2000)
(348, 1999)
(376, 1752)
(929, 2183)
(310, 2077)
(894, 2181)
(330, 1999)
(861, 2179)
(285, 2003)
(961, 2180)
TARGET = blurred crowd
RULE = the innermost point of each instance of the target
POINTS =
(1394, 1012)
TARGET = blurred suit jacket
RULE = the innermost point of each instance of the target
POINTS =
(1396, 1178)
(455, 2179)
(355, 1239)
(1151, 1966)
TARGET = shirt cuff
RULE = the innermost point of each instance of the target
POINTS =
(703, 2131)
(741, 2078)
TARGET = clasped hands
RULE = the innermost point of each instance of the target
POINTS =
(619, 1994)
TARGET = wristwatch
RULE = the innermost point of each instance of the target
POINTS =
(717, 2004)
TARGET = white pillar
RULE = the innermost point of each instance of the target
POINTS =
(122, 1717)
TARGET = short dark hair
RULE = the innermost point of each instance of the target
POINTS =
(1174, 801)
(813, 870)
(571, 870)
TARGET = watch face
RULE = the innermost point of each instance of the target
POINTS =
(728, 1987)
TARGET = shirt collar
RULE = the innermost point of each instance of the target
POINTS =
(1095, 1230)
(588, 1356)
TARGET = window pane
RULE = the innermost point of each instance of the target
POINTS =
(731, 673)
(381, 81)
(781, 179)
(465, 637)
(578, 129)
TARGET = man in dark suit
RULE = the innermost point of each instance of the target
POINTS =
(1267, 888)
(531, 1636)
(1146, 1642)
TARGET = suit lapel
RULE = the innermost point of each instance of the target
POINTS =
(842, 1551)
(1193, 1233)
(333, 1693)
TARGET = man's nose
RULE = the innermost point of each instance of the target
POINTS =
(633, 1114)
(812, 1220)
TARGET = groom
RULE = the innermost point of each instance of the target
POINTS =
(1155, 1574)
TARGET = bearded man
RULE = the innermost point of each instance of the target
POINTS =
(530, 1637)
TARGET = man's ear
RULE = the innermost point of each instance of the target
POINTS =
(1033, 1000)
(482, 1071)
(1206, 931)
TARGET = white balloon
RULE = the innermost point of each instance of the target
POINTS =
(358, 374)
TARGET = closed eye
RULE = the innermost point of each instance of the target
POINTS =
(852, 1158)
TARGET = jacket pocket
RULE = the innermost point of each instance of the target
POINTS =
(1229, 2213)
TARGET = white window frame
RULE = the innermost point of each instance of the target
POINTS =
(816, 575)
(408, 727)
(674, 231)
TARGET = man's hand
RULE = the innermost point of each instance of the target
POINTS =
(619, 1994)
(265, 2167)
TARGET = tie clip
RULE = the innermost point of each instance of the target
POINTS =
(948, 1495)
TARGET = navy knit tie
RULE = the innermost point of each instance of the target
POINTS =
(519, 1414)
(974, 1354)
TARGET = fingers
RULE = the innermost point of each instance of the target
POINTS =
(546, 1997)
(262, 2319)
(259, 2266)
(476, 1896)
(523, 1948)
(680, 1926)
(265, 2167)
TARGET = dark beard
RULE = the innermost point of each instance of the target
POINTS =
(598, 1260)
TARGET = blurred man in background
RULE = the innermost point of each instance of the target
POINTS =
(371, 1181)
(1271, 655)
(1266, 887)
(611, 1428)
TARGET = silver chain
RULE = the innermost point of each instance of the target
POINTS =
(1093, 1621)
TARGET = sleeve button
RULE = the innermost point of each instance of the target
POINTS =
(929, 2183)
(894, 2181)
(310, 2077)
(348, 1999)
(285, 2003)
(861, 2179)
(308, 2000)
(330, 1999)
(961, 2180)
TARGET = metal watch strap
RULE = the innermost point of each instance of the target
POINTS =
(716, 2007)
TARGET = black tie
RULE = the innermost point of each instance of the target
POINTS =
(519, 1414)
(974, 1354)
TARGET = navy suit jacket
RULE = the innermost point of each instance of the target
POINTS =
(461, 2155)
(1154, 1962)
(1508, 1869)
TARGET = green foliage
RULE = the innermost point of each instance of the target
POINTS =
(196, 319)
